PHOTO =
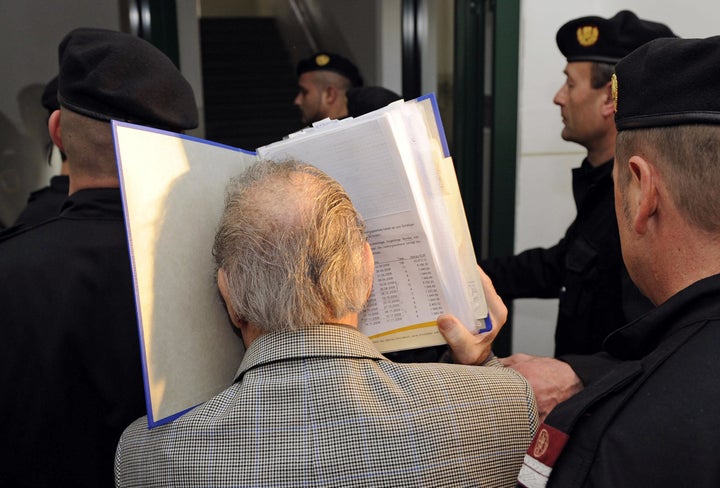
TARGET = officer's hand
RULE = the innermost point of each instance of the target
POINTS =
(553, 381)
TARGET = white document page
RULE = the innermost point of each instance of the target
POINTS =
(362, 154)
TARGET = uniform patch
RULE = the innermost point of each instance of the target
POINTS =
(542, 454)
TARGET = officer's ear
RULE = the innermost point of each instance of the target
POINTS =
(54, 129)
(608, 106)
(643, 193)
(331, 94)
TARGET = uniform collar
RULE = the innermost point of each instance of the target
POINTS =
(60, 183)
(697, 303)
(94, 202)
(98, 203)
(586, 178)
(327, 340)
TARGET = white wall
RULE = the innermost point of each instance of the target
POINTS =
(544, 205)
(189, 53)
(389, 46)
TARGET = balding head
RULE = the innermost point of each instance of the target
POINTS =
(292, 248)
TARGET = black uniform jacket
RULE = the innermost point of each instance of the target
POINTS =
(70, 372)
(584, 270)
(652, 420)
(45, 203)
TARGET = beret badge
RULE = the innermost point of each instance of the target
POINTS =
(587, 35)
(325, 61)
(322, 59)
(614, 88)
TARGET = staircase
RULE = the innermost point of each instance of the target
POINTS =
(249, 82)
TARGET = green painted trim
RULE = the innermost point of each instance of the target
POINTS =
(485, 128)
(164, 31)
(467, 146)
(504, 146)
(505, 110)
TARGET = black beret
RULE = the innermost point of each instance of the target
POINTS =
(668, 82)
(364, 99)
(111, 75)
(49, 97)
(607, 40)
(325, 61)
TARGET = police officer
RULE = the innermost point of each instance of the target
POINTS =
(45, 203)
(651, 420)
(323, 81)
(585, 269)
(70, 371)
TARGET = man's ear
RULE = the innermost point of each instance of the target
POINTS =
(369, 262)
(54, 129)
(331, 94)
(369, 258)
(225, 292)
(642, 192)
(608, 106)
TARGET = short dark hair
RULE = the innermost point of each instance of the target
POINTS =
(687, 157)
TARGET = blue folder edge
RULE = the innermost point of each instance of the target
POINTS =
(438, 121)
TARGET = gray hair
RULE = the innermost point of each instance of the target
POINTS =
(292, 247)
(688, 158)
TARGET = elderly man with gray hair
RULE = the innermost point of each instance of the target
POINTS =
(314, 402)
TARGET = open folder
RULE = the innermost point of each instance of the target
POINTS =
(395, 165)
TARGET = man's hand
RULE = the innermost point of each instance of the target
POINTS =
(552, 380)
(469, 348)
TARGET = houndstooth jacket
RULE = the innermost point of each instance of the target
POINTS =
(321, 407)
